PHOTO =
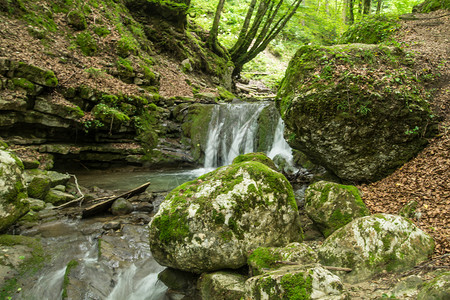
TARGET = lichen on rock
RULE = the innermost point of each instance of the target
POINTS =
(295, 282)
(12, 190)
(213, 222)
(377, 243)
(330, 205)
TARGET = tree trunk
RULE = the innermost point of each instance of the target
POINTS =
(379, 3)
(367, 4)
(213, 33)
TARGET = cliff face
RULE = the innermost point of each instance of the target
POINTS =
(98, 81)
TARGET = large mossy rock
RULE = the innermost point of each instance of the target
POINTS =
(12, 190)
(213, 222)
(431, 5)
(330, 205)
(295, 282)
(372, 244)
(356, 109)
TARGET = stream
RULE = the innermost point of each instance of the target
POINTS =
(117, 264)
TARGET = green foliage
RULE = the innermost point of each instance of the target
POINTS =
(87, 44)
(372, 30)
(431, 5)
(126, 46)
(101, 31)
(77, 20)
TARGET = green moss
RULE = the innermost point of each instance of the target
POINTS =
(258, 156)
(28, 266)
(172, 227)
(263, 258)
(87, 44)
(101, 31)
(50, 79)
(77, 20)
(371, 30)
(225, 95)
(71, 265)
(25, 84)
(126, 47)
(296, 286)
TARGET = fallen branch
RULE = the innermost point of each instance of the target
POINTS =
(325, 267)
(105, 205)
(425, 264)
(79, 199)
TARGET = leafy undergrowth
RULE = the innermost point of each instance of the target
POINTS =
(426, 178)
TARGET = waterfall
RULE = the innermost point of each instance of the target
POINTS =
(280, 146)
(232, 131)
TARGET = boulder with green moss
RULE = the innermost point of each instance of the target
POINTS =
(295, 282)
(265, 259)
(257, 156)
(213, 222)
(57, 197)
(12, 190)
(436, 289)
(39, 187)
(330, 205)
(377, 243)
(222, 285)
(358, 110)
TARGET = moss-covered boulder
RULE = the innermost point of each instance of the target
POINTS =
(213, 222)
(57, 197)
(121, 207)
(257, 156)
(370, 245)
(222, 285)
(295, 282)
(265, 259)
(358, 110)
(12, 190)
(39, 187)
(436, 289)
(330, 205)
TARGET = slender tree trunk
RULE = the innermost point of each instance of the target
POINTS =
(214, 32)
(366, 9)
(379, 3)
(351, 15)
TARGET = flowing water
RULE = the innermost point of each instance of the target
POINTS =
(125, 269)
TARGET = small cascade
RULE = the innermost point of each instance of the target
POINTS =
(280, 147)
(232, 132)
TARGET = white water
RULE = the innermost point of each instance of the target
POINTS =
(135, 286)
(232, 131)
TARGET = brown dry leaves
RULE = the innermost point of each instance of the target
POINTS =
(426, 178)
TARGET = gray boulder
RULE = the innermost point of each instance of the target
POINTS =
(213, 222)
(223, 285)
(121, 207)
(372, 244)
(295, 282)
(358, 123)
(436, 289)
(330, 205)
(12, 190)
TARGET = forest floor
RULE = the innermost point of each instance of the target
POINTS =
(426, 178)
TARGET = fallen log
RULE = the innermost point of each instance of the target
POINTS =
(106, 204)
